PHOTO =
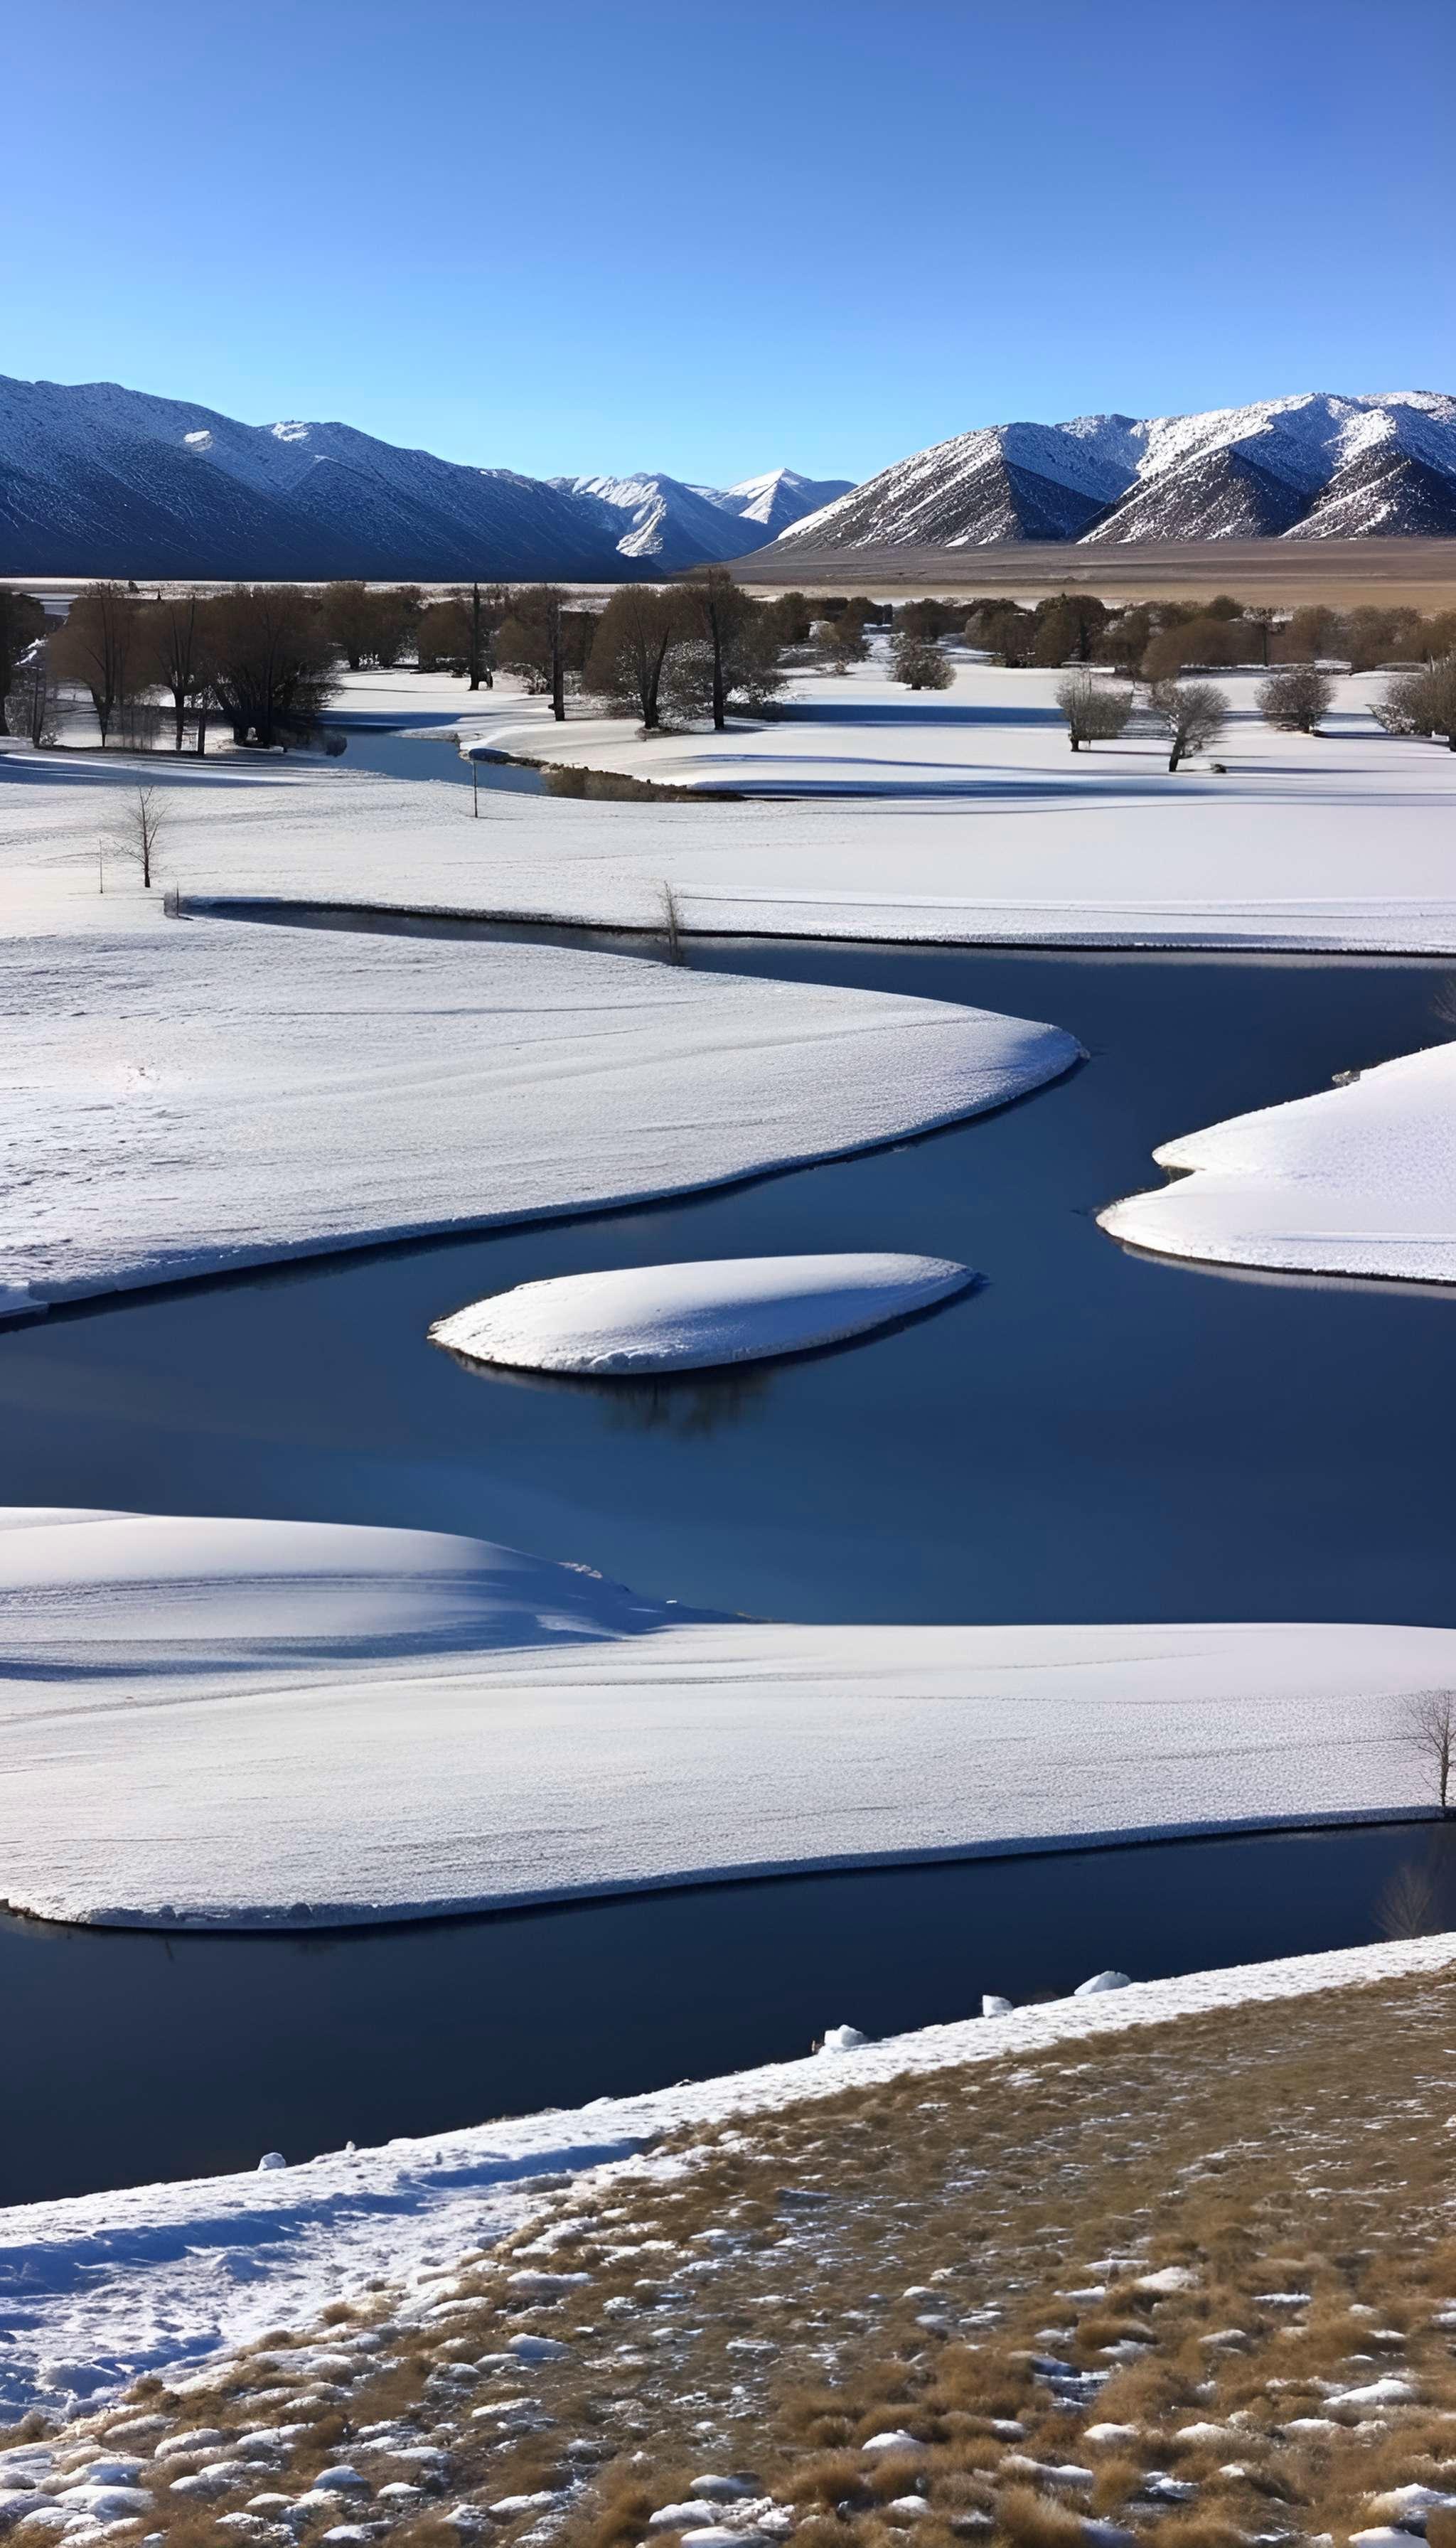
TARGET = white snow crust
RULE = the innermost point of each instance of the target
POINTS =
(184, 1098)
(220, 1722)
(1359, 1179)
(868, 814)
(689, 1318)
(168, 2277)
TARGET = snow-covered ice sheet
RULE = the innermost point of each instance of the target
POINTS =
(284, 1724)
(690, 1317)
(1360, 1179)
(100, 2288)
(187, 1098)
(969, 821)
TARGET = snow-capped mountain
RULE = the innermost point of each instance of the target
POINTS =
(1310, 467)
(661, 521)
(101, 480)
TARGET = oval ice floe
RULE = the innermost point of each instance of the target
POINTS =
(644, 1318)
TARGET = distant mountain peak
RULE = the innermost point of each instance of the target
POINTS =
(1312, 465)
(100, 480)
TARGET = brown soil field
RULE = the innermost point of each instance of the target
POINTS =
(1420, 574)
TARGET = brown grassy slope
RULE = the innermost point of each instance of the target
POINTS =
(962, 2258)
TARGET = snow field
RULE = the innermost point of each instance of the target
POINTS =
(244, 1724)
(1360, 1179)
(972, 823)
(692, 1318)
(186, 1099)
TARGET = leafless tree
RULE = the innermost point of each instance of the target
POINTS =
(96, 647)
(718, 612)
(140, 832)
(1409, 1905)
(919, 663)
(638, 631)
(1421, 702)
(1094, 711)
(21, 622)
(36, 705)
(175, 654)
(1194, 713)
(535, 642)
(272, 660)
(842, 642)
(1296, 699)
(1429, 1728)
(671, 925)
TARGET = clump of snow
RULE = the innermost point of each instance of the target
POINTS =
(1106, 1981)
(993, 2005)
(1360, 1179)
(689, 1318)
(271, 2160)
(843, 2038)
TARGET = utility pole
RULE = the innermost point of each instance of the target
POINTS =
(475, 782)
(475, 636)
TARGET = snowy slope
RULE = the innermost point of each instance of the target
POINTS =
(174, 2276)
(181, 1100)
(97, 480)
(281, 1724)
(1311, 466)
(1358, 1180)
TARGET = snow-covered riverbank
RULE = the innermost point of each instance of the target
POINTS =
(291, 1724)
(104, 2287)
(1357, 1180)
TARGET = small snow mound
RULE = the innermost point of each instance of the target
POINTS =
(645, 1318)
(1168, 2278)
(843, 2038)
(271, 2158)
(993, 2005)
(896, 2439)
(1106, 1981)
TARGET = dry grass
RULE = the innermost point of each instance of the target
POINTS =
(961, 2261)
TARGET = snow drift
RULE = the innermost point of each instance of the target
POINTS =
(689, 1318)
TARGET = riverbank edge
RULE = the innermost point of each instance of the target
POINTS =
(342, 1919)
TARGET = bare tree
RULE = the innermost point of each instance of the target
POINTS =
(1297, 698)
(1409, 1905)
(272, 660)
(35, 706)
(637, 632)
(142, 829)
(21, 621)
(1421, 702)
(842, 641)
(1429, 1728)
(716, 609)
(919, 663)
(97, 646)
(533, 642)
(175, 654)
(1194, 713)
(1094, 711)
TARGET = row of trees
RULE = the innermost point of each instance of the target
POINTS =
(1294, 699)
(1153, 640)
(265, 657)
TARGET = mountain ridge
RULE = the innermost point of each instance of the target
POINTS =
(96, 479)
(1313, 465)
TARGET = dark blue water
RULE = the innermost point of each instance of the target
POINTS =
(396, 754)
(213, 2050)
(1091, 1435)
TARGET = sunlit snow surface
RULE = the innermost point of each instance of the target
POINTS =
(690, 1317)
(291, 1724)
(1356, 1180)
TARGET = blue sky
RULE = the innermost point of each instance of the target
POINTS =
(709, 239)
